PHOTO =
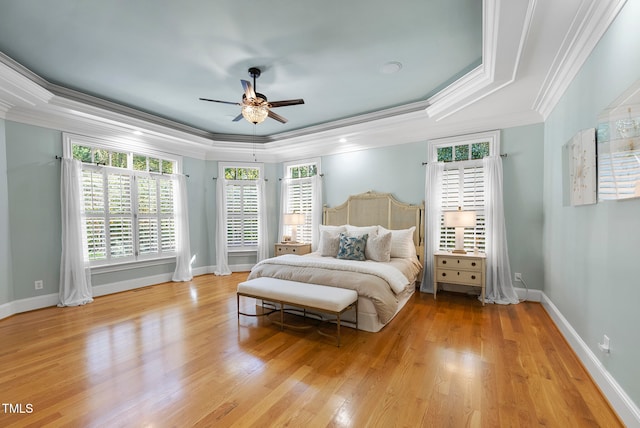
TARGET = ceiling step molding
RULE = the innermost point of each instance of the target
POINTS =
(590, 23)
(505, 29)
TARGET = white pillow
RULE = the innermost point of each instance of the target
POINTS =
(402, 245)
(333, 230)
(378, 248)
(372, 231)
(329, 244)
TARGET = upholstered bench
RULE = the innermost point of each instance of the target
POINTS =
(313, 297)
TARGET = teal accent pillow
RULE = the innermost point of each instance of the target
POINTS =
(352, 247)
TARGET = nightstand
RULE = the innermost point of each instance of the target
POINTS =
(297, 248)
(462, 269)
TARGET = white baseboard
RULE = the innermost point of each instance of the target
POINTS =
(529, 295)
(132, 284)
(28, 304)
(626, 409)
(47, 300)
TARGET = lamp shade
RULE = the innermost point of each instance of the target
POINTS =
(459, 218)
(293, 219)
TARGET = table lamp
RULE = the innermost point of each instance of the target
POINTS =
(294, 220)
(459, 219)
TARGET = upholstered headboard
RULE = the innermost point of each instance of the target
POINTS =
(370, 209)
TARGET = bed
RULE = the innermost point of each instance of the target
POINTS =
(383, 287)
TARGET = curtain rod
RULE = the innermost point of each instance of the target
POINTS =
(502, 155)
(215, 178)
(281, 178)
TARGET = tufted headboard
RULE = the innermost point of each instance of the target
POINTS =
(371, 208)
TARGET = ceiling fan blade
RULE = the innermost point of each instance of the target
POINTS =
(218, 101)
(277, 117)
(286, 103)
(237, 118)
(248, 89)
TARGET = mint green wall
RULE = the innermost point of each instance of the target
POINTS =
(591, 252)
(6, 287)
(395, 169)
(33, 199)
(199, 191)
(522, 170)
(399, 170)
(33, 178)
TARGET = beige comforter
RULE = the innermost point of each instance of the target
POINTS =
(315, 270)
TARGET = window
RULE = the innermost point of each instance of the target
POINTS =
(129, 202)
(241, 191)
(463, 183)
(300, 195)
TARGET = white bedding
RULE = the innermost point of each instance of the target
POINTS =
(396, 279)
(383, 287)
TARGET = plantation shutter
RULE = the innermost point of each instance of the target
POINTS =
(147, 216)
(463, 186)
(94, 209)
(120, 215)
(167, 215)
(242, 215)
(300, 200)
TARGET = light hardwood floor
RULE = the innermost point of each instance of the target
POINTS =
(175, 355)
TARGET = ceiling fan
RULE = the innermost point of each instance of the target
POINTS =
(255, 106)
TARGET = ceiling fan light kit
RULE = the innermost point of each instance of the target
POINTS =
(255, 114)
(255, 107)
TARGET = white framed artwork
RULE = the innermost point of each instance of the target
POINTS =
(580, 152)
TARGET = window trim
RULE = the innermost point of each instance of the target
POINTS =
(493, 137)
(128, 146)
(286, 229)
(69, 140)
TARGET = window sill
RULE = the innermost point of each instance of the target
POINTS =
(242, 250)
(116, 267)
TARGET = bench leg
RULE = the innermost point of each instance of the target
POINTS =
(281, 316)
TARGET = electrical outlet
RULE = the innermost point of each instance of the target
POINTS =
(39, 284)
(517, 276)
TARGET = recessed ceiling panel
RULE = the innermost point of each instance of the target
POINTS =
(344, 58)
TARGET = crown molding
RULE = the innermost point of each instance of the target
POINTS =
(589, 25)
(505, 29)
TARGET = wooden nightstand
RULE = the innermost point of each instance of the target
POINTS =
(462, 269)
(298, 248)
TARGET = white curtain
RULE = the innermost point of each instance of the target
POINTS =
(499, 288)
(183, 270)
(263, 229)
(433, 212)
(222, 263)
(284, 205)
(316, 211)
(75, 275)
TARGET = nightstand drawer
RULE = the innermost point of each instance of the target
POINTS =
(459, 263)
(299, 249)
(460, 277)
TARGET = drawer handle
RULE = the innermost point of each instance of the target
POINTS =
(444, 274)
(458, 273)
(458, 261)
(444, 262)
(294, 250)
(473, 263)
(473, 277)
